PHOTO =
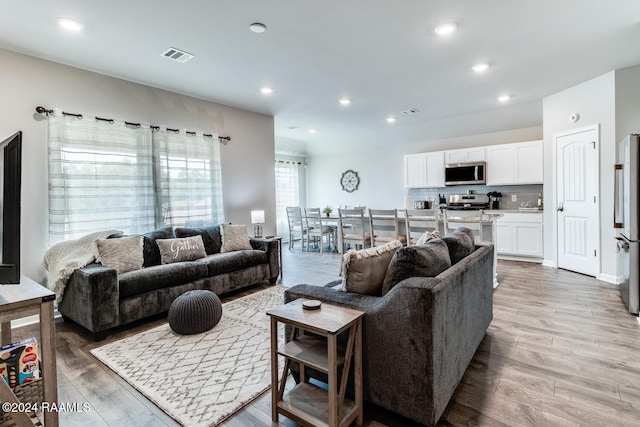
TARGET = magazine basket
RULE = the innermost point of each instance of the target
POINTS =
(31, 392)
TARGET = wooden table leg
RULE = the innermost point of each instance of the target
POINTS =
(358, 373)
(333, 380)
(274, 370)
(6, 333)
(48, 361)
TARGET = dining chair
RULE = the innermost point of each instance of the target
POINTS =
(297, 227)
(315, 228)
(471, 219)
(383, 224)
(419, 221)
(352, 228)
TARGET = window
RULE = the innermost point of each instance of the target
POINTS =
(114, 176)
(287, 193)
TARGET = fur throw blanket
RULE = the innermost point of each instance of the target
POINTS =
(63, 258)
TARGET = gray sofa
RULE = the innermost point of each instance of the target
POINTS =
(99, 299)
(421, 335)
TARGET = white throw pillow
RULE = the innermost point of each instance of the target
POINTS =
(123, 254)
(364, 271)
(234, 238)
(428, 235)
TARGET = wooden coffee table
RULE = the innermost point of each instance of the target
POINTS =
(306, 403)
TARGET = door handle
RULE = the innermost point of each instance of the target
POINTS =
(560, 207)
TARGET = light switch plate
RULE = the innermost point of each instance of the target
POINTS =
(514, 197)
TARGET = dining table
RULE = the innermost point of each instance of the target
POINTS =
(489, 231)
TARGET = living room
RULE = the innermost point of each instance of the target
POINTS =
(606, 98)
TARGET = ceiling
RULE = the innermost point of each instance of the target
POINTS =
(383, 55)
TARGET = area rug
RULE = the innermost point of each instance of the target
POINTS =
(200, 380)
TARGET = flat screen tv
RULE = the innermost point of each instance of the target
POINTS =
(10, 174)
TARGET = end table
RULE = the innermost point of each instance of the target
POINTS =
(306, 403)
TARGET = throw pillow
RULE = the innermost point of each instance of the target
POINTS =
(428, 235)
(210, 236)
(461, 242)
(426, 260)
(363, 271)
(181, 249)
(150, 249)
(123, 254)
(234, 238)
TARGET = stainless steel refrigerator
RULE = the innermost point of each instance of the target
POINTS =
(626, 219)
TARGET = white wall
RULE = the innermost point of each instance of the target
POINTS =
(595, 101)
(26, 82)
(381, 171)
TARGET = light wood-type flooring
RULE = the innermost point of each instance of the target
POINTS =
(561, 351)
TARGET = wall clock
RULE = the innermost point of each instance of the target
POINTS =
(350, 181)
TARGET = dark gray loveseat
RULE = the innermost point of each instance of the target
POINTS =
(419, 337)
(99, 299)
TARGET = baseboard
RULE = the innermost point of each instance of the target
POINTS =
(616, 280)
(548, 263)
(519, 258)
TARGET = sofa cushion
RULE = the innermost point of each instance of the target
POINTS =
(234, 238)
(461, 242)
(159, 276)
(181, 249)
(150, 249)
(210, 236)
(426, 260)
(363, 271)
(123, 254)
(232, 261)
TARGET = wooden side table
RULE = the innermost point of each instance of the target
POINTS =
(28, 299)
(306, 403)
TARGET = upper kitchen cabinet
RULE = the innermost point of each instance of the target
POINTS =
(519, 163)
(424, 170)
(465, 155)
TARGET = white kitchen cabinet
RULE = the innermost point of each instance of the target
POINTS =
(519, 236)
(465, 155)
(513, 164)
(415, 170)
(424, 170)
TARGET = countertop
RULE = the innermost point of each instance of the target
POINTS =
(504, 211)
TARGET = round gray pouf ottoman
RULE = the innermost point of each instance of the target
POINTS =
(194, 312)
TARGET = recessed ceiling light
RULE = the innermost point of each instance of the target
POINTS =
(445, 29)
(313, 130)
(391, 119)
(266, 90)
(344, 101)
(70, 24)
(504, 98)
(257, 27)
(480, 67)
(294, 127)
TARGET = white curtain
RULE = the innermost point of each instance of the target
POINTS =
(287, 194)
(100, 177)
(188, 178)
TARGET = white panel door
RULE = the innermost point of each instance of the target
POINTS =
(577, 209)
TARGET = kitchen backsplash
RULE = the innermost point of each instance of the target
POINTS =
(526, 195)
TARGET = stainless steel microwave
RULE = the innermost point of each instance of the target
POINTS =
(465, 173)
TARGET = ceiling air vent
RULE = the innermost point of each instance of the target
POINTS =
(410, 111)
(177, 54)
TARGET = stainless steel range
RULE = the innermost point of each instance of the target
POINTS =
(468, 201)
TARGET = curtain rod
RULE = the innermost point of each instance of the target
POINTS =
(47, 112)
